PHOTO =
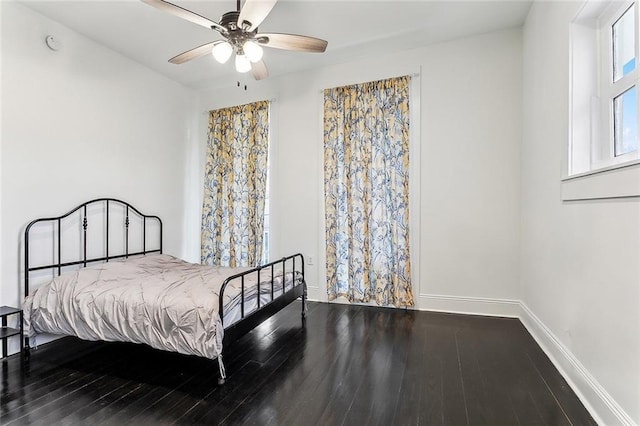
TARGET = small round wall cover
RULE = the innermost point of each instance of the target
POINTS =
(52, 42)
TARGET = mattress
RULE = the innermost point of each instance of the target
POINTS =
(159, 300)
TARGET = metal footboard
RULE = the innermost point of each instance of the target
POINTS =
(279, 298)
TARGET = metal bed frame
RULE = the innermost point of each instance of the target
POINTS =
(247, 321)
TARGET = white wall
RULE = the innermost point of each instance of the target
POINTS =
(470, 122)
(580, 261)
(81, 123)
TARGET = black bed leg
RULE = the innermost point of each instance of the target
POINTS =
(304, 304)
(221, 374)
(26, 350)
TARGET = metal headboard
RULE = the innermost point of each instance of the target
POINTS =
(84, 260)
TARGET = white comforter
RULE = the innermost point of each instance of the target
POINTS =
(159, 300)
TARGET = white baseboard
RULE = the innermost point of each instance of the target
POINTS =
(602, 407)
(452, 304)
(469, 305)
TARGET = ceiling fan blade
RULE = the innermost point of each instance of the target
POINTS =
(194, 53)
(295, 42)
(185, 14)
(259, 70)
(254, 12)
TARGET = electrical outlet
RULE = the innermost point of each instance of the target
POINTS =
(309, 260)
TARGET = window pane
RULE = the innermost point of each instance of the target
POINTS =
(624, 48)
(625, 114)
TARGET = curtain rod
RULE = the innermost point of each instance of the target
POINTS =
(207, 111)
(412, 75)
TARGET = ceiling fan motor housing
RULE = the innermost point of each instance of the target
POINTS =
(230, 20)
(236, 35)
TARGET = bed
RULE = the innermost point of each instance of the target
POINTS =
(112, 282)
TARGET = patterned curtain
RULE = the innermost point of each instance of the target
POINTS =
(235, 185)
(366, 181)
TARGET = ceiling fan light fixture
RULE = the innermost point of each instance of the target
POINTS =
(242, 63)
(222, 51)
(252, 50)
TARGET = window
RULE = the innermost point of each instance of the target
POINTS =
(366, 177)
(621, 79)
(605, 76)
(235, 202)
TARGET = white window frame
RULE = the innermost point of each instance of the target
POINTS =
(611, 89)
(591, 146)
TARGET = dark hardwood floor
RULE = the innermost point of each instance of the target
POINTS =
(350, 365)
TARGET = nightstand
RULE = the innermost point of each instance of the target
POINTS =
(6, 332)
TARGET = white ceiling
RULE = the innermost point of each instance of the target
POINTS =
(352, 28)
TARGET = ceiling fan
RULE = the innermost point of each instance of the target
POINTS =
(240, 30)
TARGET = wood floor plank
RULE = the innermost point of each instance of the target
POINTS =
(315, 396)
(303, 363)
(502, 375)
(565, 397)
(490, 393)
(251, 408)
(121, 384)
(342, 396)
(454, 407)
(542, 398)
(421, 392)
(374, 399)
(346, 365)
(36, 403)
(217, 406)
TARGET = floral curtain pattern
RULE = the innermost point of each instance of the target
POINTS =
(366, 181)
(235, 185)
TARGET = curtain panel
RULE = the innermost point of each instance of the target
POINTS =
(235, 185)
(366, 182)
